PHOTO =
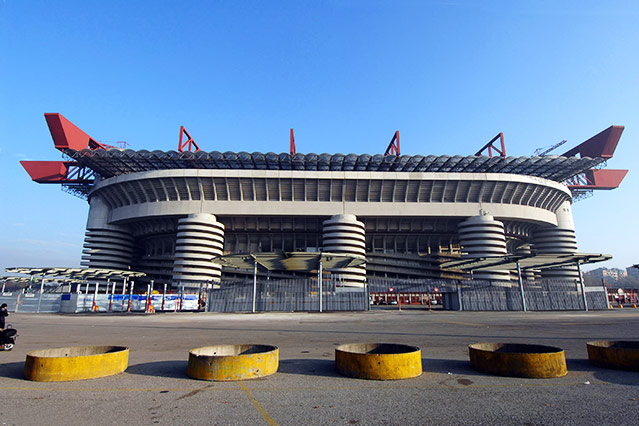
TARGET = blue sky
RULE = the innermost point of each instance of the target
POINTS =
(448, 75)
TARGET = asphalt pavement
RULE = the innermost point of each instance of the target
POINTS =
(306, 390)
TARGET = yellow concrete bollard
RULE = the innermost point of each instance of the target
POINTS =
(518, 360)
(620, 354)
(232, 362)
(378, 361)
(75, 363)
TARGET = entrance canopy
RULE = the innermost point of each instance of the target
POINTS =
(77, 273)
(25, 281)
(526, 261)
(291, 261)
(15, 280)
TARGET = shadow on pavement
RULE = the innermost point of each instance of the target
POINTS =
(445, 366)
(12, 370)
(170, 369)
(619, 377)
(308, 367)
(326, 368)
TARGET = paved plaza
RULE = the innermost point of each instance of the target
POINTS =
(155, 389)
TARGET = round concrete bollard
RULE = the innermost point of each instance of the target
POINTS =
(518, 360)
(617, 354)
(378, 361)
(232, 362)
(75, 363)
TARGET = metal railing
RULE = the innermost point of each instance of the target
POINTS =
(292, 295)
(303, 295)
(469, 295)
(31, 302)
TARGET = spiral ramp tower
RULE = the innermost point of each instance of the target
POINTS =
(528, 274)
(558, 240)
(107, 248)
(345, 234)
(482, 236)
(200, 237)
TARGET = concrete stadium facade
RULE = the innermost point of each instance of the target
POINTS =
(406, 214)
(167, 214)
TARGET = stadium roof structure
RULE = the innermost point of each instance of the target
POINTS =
(580, 167)
(114, 162)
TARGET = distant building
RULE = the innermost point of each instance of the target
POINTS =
(612, 274)
(633, 271)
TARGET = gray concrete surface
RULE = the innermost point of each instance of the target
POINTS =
(306, 390)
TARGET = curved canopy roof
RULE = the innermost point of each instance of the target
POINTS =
(114, 162)
(526, 261)
(77, 273)
(290, 261)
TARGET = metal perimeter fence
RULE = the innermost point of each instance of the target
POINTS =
(483, 295)
(79, 302)
(534, 295)
(469, 295)
(286, 296)
(31, 302)
(303, 295)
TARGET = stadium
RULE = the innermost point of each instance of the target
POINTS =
(169, 213)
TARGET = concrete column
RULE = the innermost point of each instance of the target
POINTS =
(345, 234)
(105, 246)
(482, 236)
(200, 237)
(559, 239)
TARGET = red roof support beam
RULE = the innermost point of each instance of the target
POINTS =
(490, 145)
(292, 143)
(189, 143)
(603, 144)
(393, 146)
(597, 179)
(58, 172)
(67, 135)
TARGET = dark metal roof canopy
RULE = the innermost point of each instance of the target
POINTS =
(115, 162)
(530, 261)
